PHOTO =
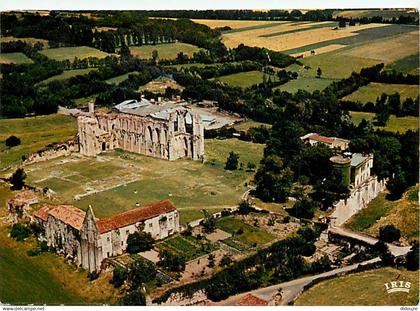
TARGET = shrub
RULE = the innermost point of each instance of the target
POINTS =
(141, 271)
(245, 208)
(172, 262)
(412, 258)
(389, 233)
(133, 298)
(33, 252)
(211, 262)
(232, 161)
(139, 242)
(18, 179)
(239, 231)
(20, 232)
(225, 261)
(119, 275)
(93, 275)
(12, 141)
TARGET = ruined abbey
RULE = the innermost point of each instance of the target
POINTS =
(166, 130)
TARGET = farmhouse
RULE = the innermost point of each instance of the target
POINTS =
(333, 142)
(165, 130)
(87, 241)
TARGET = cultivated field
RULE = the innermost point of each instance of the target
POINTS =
(309, 84)
(242, 79)
(370, 92)
(14, 58)
(403, 213)
(67, 74)
(34, 133)
(386, 14)
(118, 181)
(71, 53)
(394, 124)
(165, 50)
(363, 288)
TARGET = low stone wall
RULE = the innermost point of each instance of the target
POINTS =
(180, 299)
(358, 200)
(53, 151)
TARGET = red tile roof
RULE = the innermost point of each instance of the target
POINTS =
(67, 214)
(24, 197)
(135, 215)
(323, 139)
(251, 300)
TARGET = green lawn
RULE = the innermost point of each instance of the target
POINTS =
(121, 78)
(370, 92)
(363, 288)
(409, 64)
(14, 58)
(34, 133)
(394, 124)
(70, 53)
(242, 79)
(403, 213)
(67, 74)
(309, 84)
(165, 50)
(251, 235)
(124, 179)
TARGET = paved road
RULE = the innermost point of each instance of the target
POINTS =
(292, 288)
(394, 249)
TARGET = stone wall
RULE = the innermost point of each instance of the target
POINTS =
(53, 151)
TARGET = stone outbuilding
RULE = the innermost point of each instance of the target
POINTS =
(20, 206)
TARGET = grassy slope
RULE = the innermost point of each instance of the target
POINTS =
(34, 133)
(364, 288)
(309, 84)
(370, 92)
(165, 50)
(242, 79)
(403, 213)
(14, 58)
(70, 53)
(67, 74)
(119, 79)
(409, 64)
(394, 124)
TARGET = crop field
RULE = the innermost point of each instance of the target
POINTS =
(403, 213)
(370, 92)
(71, 53)
(119, 79)
(235, 24)
(309, 84)
(243, 79)
(291, 36)
(117, 181)
(26, 40)
(67, 74)
(14, 58)
(363, 288)
(409, 64)
(394, 124)
(34, 133)
(165, 50)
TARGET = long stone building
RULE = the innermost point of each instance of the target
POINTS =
(165, 130)
(87, 241)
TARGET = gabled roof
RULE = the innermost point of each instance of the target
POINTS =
(67, 214)
(135, 215)
(251, 300)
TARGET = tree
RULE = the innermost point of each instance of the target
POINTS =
(141, 271)
(209, 222)
(18, 179)
(225, 261)
(382, 111)
(172, 262)
(20, 232)
(155, 55)
(342, 23)
(139, 242)
(232, 161)
(389, 233)
(133, 298)
(245, 208)
(412, 257)
(12, 141)
(318, 72)
(119, 275)
(250, 167)
(211, 262)
(304, 208)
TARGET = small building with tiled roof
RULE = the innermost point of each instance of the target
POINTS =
(333, 142)
(20, 205)
(251, 300)
(88, 240)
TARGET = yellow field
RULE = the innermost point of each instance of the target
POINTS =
(234, 24)
(27, 40)
(291, 40)
(324, 49)
(388, 50)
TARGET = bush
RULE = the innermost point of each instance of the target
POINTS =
(33, 252)
(12, 141)
(20, 232)
(303, 209)
(133, 298)
(412, 258)
(225, 261)
(139, 242)
(141, 271)
(119, 275)
(93, 275)
(172, 262)
(232, 161)
(389, 233)
(245, 208)
(17, 179)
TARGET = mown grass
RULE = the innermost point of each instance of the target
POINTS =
(243, 79)
(34, 133)
(71, 53)
(364, 288)
(243, 232)
(15, 58)
(165, 50)
(370, 92)
(67, 74)
(394, 124)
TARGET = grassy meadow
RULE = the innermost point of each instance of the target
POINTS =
(363, 288)
(165, 50)
(370, 92)
(242, 79)
(394, 124)
(15, 58)
(34, 133)
(67, 74)
(71, 53)
(119, 79)
(409, 64)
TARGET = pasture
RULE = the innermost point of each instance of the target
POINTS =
(394, 124)
(235, 24)
(15, 58)
(34, 133)
(309, 84)
(117, 181)
(243, 79)
(71, 53)
(409, 64)
(165, 50)
(370, 92)
(363, 288)
(119, 79)
(67, 74)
